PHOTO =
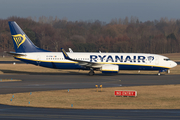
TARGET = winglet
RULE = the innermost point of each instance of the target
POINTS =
(70, 50)
(65, 54)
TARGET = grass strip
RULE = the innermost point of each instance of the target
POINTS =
(149, 97)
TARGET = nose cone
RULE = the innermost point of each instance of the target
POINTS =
(173, 64)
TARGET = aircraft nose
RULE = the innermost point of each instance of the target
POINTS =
(173, 64)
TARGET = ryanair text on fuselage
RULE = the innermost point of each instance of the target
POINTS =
(116, 58)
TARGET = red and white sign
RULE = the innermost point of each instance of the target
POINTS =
(125, 93)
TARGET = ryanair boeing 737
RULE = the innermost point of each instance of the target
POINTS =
(27, 52)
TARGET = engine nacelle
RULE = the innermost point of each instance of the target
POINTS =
(110, 68)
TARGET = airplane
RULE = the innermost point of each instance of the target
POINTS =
(27, 52)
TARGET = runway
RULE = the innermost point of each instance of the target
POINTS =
(18, 113)
(42, 82)
(32, 83)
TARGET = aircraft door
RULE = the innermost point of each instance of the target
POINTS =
(157, 60)
(38, 59)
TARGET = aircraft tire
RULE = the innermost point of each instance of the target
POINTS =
(91, 73)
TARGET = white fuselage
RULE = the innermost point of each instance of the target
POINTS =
(126, 61)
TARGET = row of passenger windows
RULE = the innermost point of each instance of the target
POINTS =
(64, 59)
(95, 59)
(54, 58)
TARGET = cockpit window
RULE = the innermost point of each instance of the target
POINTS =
(167, 59)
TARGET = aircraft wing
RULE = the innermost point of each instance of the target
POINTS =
(81, 62)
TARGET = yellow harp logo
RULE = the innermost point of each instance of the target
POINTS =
(19, 39)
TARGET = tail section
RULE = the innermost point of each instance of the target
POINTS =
(22, 43)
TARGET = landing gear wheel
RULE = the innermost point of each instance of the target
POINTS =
(91, 73)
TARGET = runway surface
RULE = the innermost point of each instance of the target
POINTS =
(32, 83)
(42, 82)
(18, 113)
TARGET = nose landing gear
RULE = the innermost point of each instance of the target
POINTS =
(168, 71)
(164, 70)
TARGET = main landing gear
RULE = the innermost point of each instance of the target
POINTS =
(91, 73)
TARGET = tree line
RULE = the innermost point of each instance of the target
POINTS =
(120, 35)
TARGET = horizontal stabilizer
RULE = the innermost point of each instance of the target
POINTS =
(16, 54)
